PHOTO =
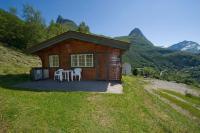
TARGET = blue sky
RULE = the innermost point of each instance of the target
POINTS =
(163, 22)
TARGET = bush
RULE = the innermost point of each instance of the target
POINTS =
(187, 94)
(151, 72)
(188, 81)
(135, 72)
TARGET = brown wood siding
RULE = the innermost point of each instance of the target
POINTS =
(102, 66)
(66, 48)
(115, 66)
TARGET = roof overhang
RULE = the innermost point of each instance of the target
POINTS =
(96, 39)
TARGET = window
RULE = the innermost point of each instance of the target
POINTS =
(53, 61)
(82, 60)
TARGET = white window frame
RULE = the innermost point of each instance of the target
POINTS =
(85, 60)
(52, 61)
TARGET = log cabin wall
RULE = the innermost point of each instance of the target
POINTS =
(106, 67)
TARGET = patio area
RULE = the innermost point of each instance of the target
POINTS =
(91, 86)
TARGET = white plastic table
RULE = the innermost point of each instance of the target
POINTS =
(68, 73)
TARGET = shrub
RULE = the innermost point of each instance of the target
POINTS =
(188, 81)
(187, 94)
(135, 72)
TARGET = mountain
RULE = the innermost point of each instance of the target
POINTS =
(188, 46)
(136, 32)
(142, 53)
(135, 37)
(69, 23)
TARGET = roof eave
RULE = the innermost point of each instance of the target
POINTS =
(80, 36)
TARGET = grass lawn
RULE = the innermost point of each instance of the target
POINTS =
(192, 99)
(183, 105)
(133, 111)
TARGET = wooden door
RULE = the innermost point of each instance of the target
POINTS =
(102, 66)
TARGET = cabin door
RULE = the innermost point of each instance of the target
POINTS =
(102, 66)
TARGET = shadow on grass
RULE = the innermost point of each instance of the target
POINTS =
(8, 81)
(23, 82)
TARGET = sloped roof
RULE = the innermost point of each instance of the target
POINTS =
(101, 40)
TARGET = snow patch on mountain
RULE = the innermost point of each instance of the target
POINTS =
(188, 46)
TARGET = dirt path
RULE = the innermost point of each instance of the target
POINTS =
(177, 108)
(178, 87)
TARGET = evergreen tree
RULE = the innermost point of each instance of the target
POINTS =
(55, 29)
(83, 28)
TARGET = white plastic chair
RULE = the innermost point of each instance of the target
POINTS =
(77, 72)
(58, 74)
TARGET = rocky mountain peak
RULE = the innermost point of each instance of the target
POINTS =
(136, 32)
(61, 20)
(188, 46)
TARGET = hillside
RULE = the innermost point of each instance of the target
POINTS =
(144, 53)
(14, 61)
(179, 66)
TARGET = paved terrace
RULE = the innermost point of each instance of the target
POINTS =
(52, 85)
